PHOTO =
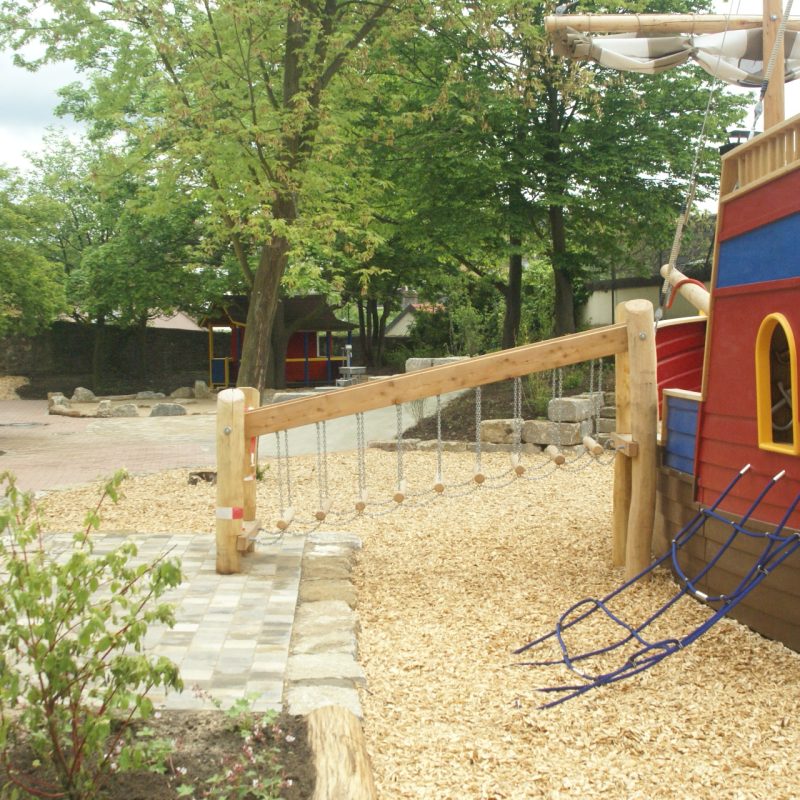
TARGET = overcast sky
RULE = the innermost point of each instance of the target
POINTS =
(27, 100)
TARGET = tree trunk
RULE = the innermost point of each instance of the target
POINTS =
(256, 350)
(513, 297)
(264, 296)
(98, 353)
(564, 310)
(276, 378)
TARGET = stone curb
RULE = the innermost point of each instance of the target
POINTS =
(323, 669)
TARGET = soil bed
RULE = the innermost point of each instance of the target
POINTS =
(205, 744)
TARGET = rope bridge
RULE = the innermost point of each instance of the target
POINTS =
(634, 652)
(632, 341)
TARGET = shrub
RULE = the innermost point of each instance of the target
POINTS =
(72, 672)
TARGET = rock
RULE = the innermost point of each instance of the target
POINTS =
(414, 364)
(570, 409)
(57, 399)
(148, 395)
(301, 700)
(83, 395)
(544, 432)
(167, 410)
(201, 391)
(332, 668)
(597, 399)
(332, 641)
(326, 567)
(104, 409)
(608, 412)
(344, 538)
(607, 425)
(64, 411)
(312, 591)
(125, 410)
(497, 431)
(182, 393)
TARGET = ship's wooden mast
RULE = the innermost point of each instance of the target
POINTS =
(672, 24)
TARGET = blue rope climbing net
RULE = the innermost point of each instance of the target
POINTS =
(634, 651)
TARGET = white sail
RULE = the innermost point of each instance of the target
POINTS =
(734, 56)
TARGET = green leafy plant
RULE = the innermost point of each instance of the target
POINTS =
(254, 773)
(72, 671)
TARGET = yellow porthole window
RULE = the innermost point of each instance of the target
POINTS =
(776, 386)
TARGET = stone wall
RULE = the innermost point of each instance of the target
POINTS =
(62, 358)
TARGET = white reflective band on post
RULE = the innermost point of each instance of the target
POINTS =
(230, 513)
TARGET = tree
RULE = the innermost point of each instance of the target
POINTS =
(31, 286)
(500, 150)
(233, 97)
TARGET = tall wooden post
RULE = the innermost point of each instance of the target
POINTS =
(774, 98)
(622, 461)
(644, 421)
(230, 478)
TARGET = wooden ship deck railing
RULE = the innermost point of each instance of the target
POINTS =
(761, 159)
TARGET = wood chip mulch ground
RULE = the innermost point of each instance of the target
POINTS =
(448, 587)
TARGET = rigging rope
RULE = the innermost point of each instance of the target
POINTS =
(683, 217)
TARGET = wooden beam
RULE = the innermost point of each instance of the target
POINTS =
(490, 368)
(657, 23)
(341, 762)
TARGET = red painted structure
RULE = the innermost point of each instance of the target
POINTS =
(757, 273)
(314, 340)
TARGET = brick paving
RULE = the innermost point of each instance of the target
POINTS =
(232, 633)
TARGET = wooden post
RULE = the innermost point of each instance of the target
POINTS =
(252, 400)
(230, 478)
(644, 420)
(774, 98)
(622, 464)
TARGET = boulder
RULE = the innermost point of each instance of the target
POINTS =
(83, 395)
(104, 409)
(497, 431)
(182, 393)
(413, 364)
(125, 410)
(148, 395)
(544, 432)
(570, 409)
(167, 410)
(56, 399)
(201, 391)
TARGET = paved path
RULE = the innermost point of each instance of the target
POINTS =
(233, 632)
(51, 452)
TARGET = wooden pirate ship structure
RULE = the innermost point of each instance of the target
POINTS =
(728, 379)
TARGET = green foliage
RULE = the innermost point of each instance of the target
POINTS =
(73, 673)
(31, 285)
(255, 772)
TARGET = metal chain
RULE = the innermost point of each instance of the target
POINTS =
(478, 398)
(360, 443)
(516, 446)
(322, 463)
(439, 436)
(280, 469)
(600, 396)
(288, 469)
(399, 447)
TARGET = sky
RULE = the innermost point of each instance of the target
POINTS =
(27, 100)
